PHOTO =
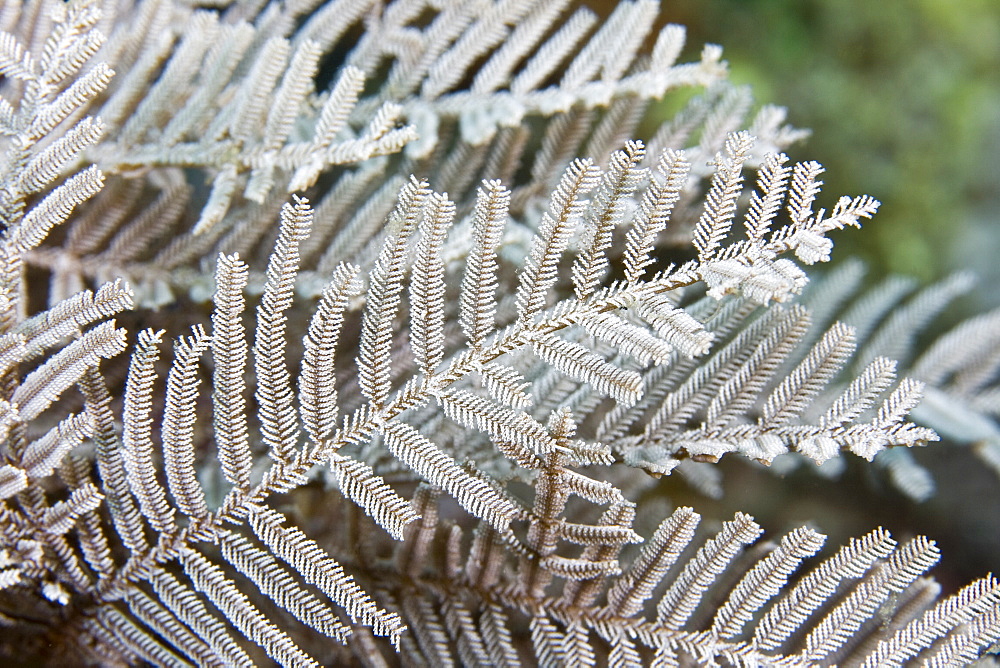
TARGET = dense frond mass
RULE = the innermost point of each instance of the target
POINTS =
(436, 312)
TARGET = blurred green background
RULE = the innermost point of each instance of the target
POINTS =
(903, 98)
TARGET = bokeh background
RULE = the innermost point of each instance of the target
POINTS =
(904, 102)
(903, 99)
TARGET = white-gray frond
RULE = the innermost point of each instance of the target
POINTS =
(471, 492)
(374, 359)
(137, 443)
(358, 482)
(315, 567)
(179, 421)
(61, 371)
(720, 202)
(279, 425)
(657, 203)
(229, 352)
(209, 579)
(317, 394)
(679, 601)
(432, 458)
(554, 231)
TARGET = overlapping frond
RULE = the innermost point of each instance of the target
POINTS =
(317, 396)
(309, 560)
(554, 231)
(137, 443)
(374, 359)
(813, 622)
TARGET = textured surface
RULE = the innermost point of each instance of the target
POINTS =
(438, 322)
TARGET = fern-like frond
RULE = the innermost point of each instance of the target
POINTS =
(274, 392)
(126, 517)
(432, 458)
(767, 199)
(229, 352)
(137, 441)
(822, 363)
(374, 360)
(318, 396)
(540, 272)
(46, 383)
(213, 583)
(169, 627)
(473, 493)
(764, 581)
(720, 202)
(657, 204)
(902, 567)
(178, 424)
(358, 482)
(607, 208)
(56, 207)
(679, 601)
(579, 362)
(274, 581)
(43, 168)
(427, 288)
(478, 297)
(312, 563)
(190, 608)
(973, 601)
(44, 454)
(84, 308)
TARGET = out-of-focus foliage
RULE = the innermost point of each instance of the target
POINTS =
(904, 102)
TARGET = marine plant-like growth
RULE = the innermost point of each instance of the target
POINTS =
(352, 332)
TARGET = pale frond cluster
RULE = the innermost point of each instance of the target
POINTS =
(348, 332)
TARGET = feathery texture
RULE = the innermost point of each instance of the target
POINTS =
(439, 453)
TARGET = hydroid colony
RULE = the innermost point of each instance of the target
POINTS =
(410, 317)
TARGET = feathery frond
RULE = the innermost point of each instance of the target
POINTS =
(274, 392)
(433, 457)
